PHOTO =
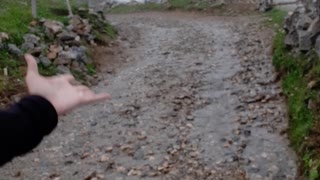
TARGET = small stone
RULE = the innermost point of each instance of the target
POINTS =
(151, 158)
(190, 118)
(100, 176)
(13, 49)
(53, 27)
(3, 37)
(78, 38)
(62, 61)
(31, 38)
(142, 137)
(254, 169)
(247, 132)
(55, 48)
(16, 98)
(139, 155)
(66, 36)
(109, 149)
(274, 169)
(194, 154)
(85, 155)
(61, 69)
(35, 51)
(68, 55)
(17, 174)
(104, 158)
(45, 61)
(134, 172)
(126, 148)
(52, 55)
(121, 169)
(27, 46)
(91, 176)
(93, 123)
(34, 23)
(189, 125)
(264, 155)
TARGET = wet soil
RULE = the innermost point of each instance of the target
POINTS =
(194, 97)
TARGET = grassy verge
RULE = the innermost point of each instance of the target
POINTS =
(300, 83)
(15, 17)
(172, 4)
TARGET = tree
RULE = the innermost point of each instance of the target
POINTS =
(69, 8)
(34, 8)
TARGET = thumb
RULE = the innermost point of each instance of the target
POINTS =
(32, 64)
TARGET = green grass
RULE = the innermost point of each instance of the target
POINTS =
(15, 16)
(180, 4)
(172, 4)
(14, 19)
(136, 8)
(295, 88)
(276, 16)
(91, 69)
(297, 71)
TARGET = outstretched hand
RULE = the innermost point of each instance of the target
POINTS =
(58, 89)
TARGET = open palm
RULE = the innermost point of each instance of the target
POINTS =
(58, 89)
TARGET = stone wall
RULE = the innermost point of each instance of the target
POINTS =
(66, 47)
(302, 27)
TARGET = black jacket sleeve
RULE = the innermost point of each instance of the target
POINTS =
(23, 126)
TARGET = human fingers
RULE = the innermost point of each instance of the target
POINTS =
(67, 77)
(32, 64)
(82, 88)
(91, 97)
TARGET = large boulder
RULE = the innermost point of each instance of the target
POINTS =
(314, 28)
(292, 39)
(305, 40)
(265, 5)
(317, 46)
(303, 22)
(291, 21)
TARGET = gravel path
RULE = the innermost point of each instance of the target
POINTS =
(194, 97)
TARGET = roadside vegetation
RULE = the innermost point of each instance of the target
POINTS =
(188, 5)
(15, 19)
(300, 83)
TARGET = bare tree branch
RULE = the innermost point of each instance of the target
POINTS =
(34, 8)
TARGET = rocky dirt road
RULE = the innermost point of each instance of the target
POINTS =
(194, 97)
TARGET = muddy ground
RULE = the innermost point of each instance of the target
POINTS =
(194, 97)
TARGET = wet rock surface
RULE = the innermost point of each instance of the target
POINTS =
(194, 97)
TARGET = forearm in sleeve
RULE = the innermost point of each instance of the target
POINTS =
(23, 126)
